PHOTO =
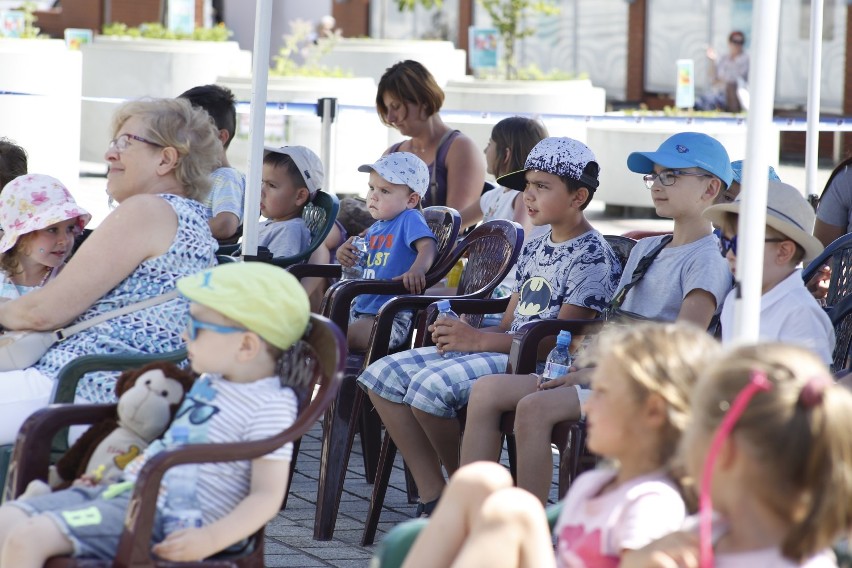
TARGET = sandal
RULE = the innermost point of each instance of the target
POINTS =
(424, 510)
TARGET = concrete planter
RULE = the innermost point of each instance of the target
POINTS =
(125, 68)
(361, 137)
(371, 57)
(612, 143)
(45, 117)
(542, 98)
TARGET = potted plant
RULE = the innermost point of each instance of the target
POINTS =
(155, 62)
(45, 78)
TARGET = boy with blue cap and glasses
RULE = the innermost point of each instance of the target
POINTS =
(685, 280)
(244, 319)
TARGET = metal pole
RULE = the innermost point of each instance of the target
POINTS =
(257, 121)
(752, 219)
(327, 111)
(814, 79)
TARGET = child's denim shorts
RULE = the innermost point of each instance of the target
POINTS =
(91, 522)
(400, 329)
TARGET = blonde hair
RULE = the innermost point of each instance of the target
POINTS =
(802, 445)
(175, 123)
(10, 261)
(662, 359)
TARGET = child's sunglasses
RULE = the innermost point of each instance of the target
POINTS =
(726, 244)
(194, 325)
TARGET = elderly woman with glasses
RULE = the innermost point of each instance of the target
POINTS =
(160, 159)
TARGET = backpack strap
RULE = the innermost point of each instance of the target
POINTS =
(638, 273)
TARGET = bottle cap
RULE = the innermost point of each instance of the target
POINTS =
(564, 337)
(443, 305)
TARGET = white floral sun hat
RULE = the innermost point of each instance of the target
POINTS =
(36, 201)
(404, 168)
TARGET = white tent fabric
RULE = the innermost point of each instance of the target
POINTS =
(752, 219)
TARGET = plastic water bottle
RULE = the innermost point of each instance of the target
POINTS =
(183, 509)
(559, 360)
(357, 269)
(445, 312)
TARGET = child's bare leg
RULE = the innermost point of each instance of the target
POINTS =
(534, 421)
(358, 335)
(414, 445)
(448, 527)
(10, 517)
(31, 543)
(490, 397)
(445, 436)
(510, 531)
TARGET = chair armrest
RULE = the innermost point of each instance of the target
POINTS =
(69, 375)
(524, 350)
(35, 440)
(315, 270)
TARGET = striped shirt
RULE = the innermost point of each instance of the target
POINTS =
(218, 411)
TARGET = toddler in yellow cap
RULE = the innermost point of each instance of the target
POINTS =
(244, 319)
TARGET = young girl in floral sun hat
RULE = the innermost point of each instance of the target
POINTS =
(40, 220)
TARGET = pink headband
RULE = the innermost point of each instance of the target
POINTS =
(757, 382)
(813, 390)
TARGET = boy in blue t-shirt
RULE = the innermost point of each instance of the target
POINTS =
(400, 245)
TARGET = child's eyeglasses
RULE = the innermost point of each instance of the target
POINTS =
(726, 244)
(195, 325)
(120, 143)
(668, 177)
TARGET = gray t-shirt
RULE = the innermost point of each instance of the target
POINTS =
(675, 273)
(284, 238)
(835, 205)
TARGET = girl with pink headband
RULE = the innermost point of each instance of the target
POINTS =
(40, 221)
(770, 445)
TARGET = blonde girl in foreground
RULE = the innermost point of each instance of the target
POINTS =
(771, 443)
(635, 416)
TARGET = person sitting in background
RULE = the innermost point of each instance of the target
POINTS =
(728, 73)
(225, 202)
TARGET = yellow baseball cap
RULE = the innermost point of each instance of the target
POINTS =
(264, 298)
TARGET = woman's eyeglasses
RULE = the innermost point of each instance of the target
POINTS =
(668, 177)
(121, 143)
(726, 244)
(195, 325)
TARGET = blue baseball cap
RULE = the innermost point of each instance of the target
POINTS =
(686, 150)
(737, 166)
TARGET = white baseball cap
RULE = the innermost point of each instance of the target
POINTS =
(404, 168)
(307, 162)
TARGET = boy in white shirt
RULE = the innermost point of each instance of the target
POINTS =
(788, 312)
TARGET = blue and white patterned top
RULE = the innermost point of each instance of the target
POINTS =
(156, 329)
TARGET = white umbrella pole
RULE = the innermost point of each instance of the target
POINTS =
(257, 121)
(814, 79)
(752, 220)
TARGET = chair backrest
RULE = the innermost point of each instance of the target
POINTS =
(324, 362)
(445, 223)
(838, 255)
(621, 245)
(841, 319)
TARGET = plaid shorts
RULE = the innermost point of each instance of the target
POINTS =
(423, 379)
(399, 330)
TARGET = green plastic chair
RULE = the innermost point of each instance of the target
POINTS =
(392, 550)
(66, 387)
